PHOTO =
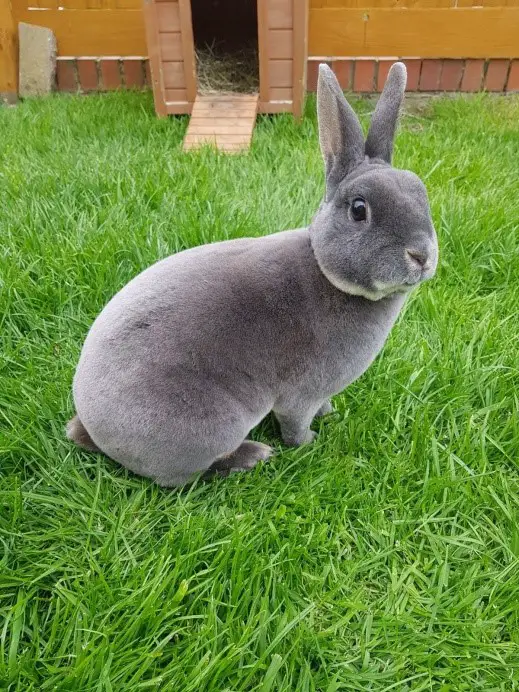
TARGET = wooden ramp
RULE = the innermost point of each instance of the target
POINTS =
(223, 120)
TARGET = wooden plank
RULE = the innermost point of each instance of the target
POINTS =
(358, 4)
(446, 33)
(280, 73)
(206, 113)
(195, 141)
(226, 97)
(228, 149)
(280, 93)
(168, 16)
(225, 107)
(229, 126)
(67, 4)
(387, 3)
(126, 4)
(178, 108)
(234, 139)
(204, 120)
(217, 139)
(229, 117)
(263, 49)
(188, 48)
(157, 78)
(274, 107)
(280, 14)
(300, 55)
(368, 4)
(173, 75)
(222, 128)
(195, 129)
(170, 46)
(92, 32)
(8, 52)
(280, 43)
(176, 95)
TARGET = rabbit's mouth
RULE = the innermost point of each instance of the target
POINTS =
(405, 287)
(413, 282)
(426, 273)
(419, 274)
(384, 290)
(409, 284)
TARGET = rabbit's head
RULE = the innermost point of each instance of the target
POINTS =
(373, 234)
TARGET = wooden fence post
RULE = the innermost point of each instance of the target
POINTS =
(8, 53)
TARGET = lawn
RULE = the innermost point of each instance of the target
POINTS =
(383, 557)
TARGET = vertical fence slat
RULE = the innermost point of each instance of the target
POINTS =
(152, 35)
(188, 49)
(8, 52)
(299, 55)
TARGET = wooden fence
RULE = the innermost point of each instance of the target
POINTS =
(409, 28)
(430, 29)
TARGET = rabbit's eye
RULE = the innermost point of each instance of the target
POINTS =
(358, 209)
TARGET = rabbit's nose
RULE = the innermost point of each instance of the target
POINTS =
(419, 257)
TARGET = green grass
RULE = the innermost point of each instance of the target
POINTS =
(383, 557)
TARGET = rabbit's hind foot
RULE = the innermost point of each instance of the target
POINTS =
(77, 432)
(245, 458)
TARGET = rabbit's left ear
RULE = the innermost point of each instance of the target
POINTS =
(379, 143)
(340, 133)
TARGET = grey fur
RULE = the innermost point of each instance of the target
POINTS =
(76, 431)
(379, 142)
(194, 352)
(340, 133)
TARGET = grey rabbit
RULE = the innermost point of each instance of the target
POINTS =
(196, 350)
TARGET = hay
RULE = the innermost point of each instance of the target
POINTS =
(221, 70)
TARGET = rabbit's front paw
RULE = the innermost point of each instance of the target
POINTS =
(325, 409)
(310, 437)
(303, 438)
(295, 427)
(245, 458)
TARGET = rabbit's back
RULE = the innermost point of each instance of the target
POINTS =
(225, 305)
(197, 344)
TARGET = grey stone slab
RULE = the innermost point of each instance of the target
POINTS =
(37, 60)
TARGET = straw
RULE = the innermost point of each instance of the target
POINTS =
(221, 70)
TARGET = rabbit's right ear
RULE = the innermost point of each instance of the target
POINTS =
(340, 133)
(379, 144)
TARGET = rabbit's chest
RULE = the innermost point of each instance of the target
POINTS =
(349, 358)
(348, 346)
